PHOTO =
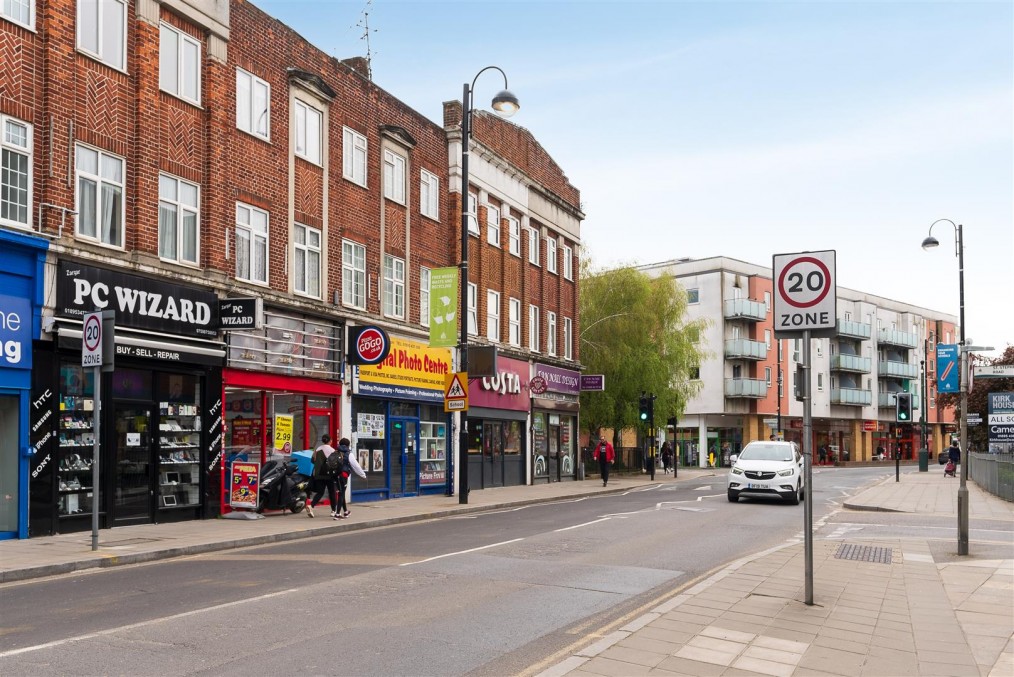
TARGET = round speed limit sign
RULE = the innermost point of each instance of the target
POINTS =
(91, 340)
(805, 292)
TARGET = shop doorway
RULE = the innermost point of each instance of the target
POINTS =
(133, 447)
(318, 424)
(9, 429)
(404, 455)
(492, 454)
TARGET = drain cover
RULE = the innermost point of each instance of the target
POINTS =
(863, 553)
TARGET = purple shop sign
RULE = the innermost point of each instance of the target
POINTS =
(593, 382)
(507, 390)
(559, 380)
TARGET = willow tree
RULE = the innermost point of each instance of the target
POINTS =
(634, 330)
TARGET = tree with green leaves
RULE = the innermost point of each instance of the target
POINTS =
(634, 331)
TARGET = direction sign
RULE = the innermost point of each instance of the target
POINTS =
(91, 340)
(994, 371)
(806, 294)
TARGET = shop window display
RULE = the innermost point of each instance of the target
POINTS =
(76, 438)
(179, 440)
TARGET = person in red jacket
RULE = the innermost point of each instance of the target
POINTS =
(605, 455)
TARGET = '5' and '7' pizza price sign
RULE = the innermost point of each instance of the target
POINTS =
(806, 294)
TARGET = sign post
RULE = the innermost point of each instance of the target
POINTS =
(805, 302)
(98, 349)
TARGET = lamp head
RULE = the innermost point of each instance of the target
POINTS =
(506, 104)
(930, 242)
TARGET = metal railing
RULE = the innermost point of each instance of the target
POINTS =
(994, 473)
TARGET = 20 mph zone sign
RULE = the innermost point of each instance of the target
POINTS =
(806, 294)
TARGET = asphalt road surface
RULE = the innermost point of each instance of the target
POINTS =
(494, 593)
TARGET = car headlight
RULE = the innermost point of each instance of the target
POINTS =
(737, 471)
(786, 473)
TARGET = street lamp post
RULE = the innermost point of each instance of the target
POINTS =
(505, 104)
(959, 246)
(925, 397)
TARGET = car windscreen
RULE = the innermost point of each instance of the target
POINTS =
(758, 452)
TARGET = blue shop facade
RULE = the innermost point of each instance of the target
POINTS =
(22, 281)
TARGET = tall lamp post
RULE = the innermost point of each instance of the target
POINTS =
(506, 105)
(959, 251)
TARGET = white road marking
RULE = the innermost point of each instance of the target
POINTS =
(585, 524)
(701, 498)
(462, 552)
(706, 487)
(123, 628)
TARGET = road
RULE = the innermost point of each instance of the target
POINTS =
(493, 593)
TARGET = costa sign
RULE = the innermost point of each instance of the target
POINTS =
(368, 345)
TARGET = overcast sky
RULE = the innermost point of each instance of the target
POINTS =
(742, 129)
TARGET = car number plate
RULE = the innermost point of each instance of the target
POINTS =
(754, 486)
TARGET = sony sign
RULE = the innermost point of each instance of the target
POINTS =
(140, 302)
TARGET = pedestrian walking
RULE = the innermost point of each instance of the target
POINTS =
(605, 455)
(954, 453)
(322, 480)
(349, 464)
(822, 454)
(666, 457)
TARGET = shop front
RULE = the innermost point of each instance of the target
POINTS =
(555, 406)
(497, 416)
(282, 388)
(158, 421)
(22, 261)
(400, 431)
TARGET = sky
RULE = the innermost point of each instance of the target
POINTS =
(742, 129)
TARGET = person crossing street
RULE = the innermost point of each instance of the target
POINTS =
(605, 455)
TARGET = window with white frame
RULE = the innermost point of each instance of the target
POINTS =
(179, 59)
(492, 315)
(424, 297)
(473, 312)
(767, 375)
(820, 381)
(514, 322)
(767, 301)
(99, 196)
(550, 333)
(693, 296)
(493, 225)
(533, 247)
(102, 30)
(306, 260)
(394, 177)
(178, 220)
(253, 98)
(309, 122)
(767, 338)
(473, 215)
(551, 254)
(514, 235)
(354, 156)
(19, 11)
(568, 338)
(251, 244)
(533, 328)
(15, 172)
(429, 195)
(394, 286)
(353, 274)
(568, 262)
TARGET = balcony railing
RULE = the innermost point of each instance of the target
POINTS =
(745, 309)
(853, 397)
(890, 400)
(856, 363)
(897, 369)
(744, 349)
(850, 329)
(894, 337)
(746, 387)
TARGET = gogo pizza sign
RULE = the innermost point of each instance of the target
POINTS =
(368, 345)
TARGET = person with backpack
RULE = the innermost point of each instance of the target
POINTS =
(322, 479)
(344, 463)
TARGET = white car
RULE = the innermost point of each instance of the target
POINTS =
(767, 469)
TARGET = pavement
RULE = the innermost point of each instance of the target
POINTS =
(898, 606)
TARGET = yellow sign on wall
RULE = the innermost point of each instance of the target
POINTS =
(283, 433)
(412, 364)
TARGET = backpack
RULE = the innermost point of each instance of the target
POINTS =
(335, 462)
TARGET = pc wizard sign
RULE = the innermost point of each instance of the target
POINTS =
(806, 294)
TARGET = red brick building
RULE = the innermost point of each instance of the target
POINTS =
(241, 199)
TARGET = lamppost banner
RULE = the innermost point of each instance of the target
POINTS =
(443, 307)
(947, 368)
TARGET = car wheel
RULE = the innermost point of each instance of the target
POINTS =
(794, 500)
(733, 496)
(802, 494)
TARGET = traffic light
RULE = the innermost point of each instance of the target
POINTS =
(904, 407)
(643, 408)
